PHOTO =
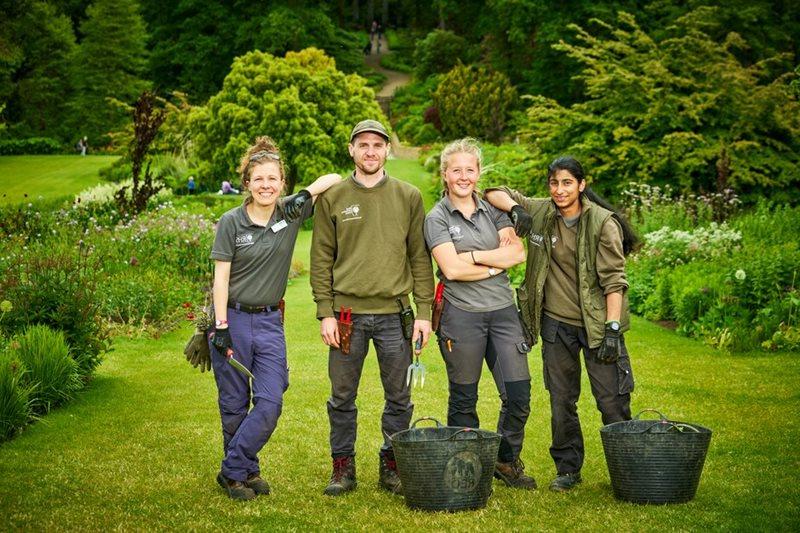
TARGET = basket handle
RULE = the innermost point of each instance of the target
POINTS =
(466, 430)
(680, 427)
(659, 413)
(438, 424)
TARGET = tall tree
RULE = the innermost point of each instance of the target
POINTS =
(36, 48)
(111, 63)
(683, 109)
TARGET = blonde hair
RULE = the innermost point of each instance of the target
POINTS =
(467, 145)
(264, 150)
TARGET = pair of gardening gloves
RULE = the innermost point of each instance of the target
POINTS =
(197, 351)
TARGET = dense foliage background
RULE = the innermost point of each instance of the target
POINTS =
(684, 113)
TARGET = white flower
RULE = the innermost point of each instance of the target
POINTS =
(740, 275)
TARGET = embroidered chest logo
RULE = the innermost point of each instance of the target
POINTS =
(244, 240)
(536, 239)
(455, 233)
(553, 239)
(352, 212)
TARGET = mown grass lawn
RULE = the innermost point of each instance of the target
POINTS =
(48, 176)
(140, 448)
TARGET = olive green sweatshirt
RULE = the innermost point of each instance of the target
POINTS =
(368, 249)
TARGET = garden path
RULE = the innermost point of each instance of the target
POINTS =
(394, 80)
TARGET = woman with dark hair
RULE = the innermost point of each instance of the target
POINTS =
(574, 296)
(252, 253)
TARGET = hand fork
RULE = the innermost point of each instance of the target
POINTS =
(416, 370)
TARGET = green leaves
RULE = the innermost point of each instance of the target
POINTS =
(302, 101)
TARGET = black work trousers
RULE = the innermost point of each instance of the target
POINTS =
(466, 340)
(611, 384)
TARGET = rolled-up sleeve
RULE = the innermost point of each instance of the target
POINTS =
(611, 259)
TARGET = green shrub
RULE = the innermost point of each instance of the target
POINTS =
(54, 283)
(15, 407)
(142, 297)
(51, 372)
(440, 51)
(396, 61)
(30, 146)
(476, 102)
(408, 109)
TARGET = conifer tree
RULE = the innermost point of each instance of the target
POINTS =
(110, 64)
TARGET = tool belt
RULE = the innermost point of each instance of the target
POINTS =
(254, 309)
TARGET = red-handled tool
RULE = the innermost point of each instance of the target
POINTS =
(237, 365)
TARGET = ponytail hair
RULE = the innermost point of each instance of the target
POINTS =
(630, 241)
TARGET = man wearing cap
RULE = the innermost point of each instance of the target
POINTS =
(367, 254)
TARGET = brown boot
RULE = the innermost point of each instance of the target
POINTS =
(513, 475)
(343, 478)
(388, 477)
(257, 484)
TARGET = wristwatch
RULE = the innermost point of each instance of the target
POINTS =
(492, 271)
(613, 325)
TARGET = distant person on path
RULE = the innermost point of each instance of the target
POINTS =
(367, 254)
(191, 185)
(227, 188)
(574, 295)
(83, 145)
(474, 244)
(373, 29)
(252, 253)
(368, 48)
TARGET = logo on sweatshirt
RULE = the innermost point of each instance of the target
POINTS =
(351, 213)
(536, 239)
(455, 233)
(244, 240)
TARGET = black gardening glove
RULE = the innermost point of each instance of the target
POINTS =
(294, 207)
(611, 348)
(523, 222)
(222, 341)
(197, 352)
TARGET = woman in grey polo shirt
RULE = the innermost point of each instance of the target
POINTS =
(473, 243)
(252, 253)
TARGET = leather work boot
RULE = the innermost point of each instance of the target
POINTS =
(257, 483)
(343, 478)
(513, 475)
(565, 482)
(236, 490)
(388, 477)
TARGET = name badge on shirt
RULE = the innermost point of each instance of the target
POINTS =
(278, 226)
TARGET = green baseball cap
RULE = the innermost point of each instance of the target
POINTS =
(369, 126)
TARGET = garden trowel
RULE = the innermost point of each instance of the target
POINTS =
(237, 365)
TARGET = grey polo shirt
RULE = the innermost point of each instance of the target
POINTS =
(260, 256)
(444, 224)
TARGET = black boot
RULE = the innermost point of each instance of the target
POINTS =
(388, 477)
(343, 478)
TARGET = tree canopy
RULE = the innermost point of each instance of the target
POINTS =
(302, 101)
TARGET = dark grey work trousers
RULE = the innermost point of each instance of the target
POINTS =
(344, 371)
(611, 384)
(496, 337)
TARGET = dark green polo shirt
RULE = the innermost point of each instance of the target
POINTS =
(260, 256)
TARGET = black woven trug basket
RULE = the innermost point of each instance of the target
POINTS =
(655, 461)
(445, 468)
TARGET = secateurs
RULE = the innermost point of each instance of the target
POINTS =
(345, 325)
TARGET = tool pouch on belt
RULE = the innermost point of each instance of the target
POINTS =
(345, 326)
(406, 320)
(438, 307)
(282, 309)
